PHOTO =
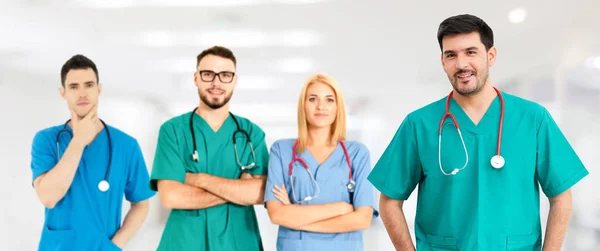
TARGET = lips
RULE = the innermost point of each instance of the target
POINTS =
(464, 74)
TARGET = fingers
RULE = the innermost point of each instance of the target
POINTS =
(93, 113)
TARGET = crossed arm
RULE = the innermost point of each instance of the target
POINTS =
(337, 217)
(202, 190)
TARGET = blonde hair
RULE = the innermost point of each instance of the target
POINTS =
(338, 127)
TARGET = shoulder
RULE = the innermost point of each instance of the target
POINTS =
(175, 123)
(356, 148)
(47, 134)
(121, 137)
(253, 129)
(525, 108)
(286, 143)
(522, 104)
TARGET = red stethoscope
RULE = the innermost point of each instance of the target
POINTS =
(497, 160)
(351, 184)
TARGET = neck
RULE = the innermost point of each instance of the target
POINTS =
(319, 137)
(479, 101)
(213, 116)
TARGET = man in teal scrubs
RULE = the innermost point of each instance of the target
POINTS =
(476, 195)
(210, 167)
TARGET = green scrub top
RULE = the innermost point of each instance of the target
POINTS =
(226, 227)
(480, 208)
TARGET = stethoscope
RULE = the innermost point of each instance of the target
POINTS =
(497, 160)
(350, 186)
(103, 185)
(239, 130)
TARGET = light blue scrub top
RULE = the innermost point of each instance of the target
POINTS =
(479, 208)
(86, 218)
(332, 177)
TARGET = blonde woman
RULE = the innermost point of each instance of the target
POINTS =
(316, 190)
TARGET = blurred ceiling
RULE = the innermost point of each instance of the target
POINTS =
(379, 50)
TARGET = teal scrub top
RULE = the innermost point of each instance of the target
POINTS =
(226, 227)
(332, 176)
(87, 218)
(480, 208)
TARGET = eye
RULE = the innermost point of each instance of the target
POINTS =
(330, 100)
(471, 53)
(449, 55)
(311, 99)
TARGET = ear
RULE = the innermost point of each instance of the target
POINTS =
(61, 90)
(99, 89)
(492, 52)
(196, 76)
(442, 59)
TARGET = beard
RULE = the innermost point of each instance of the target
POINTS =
(214, 102)
(480, 80)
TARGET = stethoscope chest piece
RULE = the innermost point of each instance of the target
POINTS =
(497, 161)
(351, 185)
(103, 186)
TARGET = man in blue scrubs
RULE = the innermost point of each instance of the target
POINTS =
(479, 157)
(83, 168)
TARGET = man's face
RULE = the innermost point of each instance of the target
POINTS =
(466, 62)
(81, 91)
(215, 80)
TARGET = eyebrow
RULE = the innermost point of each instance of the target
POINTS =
(88, 82)
(472, 48)
(315, 95)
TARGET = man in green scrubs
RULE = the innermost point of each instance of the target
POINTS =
(210, 167)
(470, 198)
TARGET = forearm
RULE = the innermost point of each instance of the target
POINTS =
(52, 186)
(294, 216)
(558, 221)
(174, 195)
(357, 220)
(394, 221)
(238, 191)
(133, 221)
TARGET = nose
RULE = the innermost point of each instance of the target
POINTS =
(461, 62)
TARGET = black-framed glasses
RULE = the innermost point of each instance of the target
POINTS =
(209, 76)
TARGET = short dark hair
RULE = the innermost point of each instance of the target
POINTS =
(216, 51)
(463, 24)
(77, 62)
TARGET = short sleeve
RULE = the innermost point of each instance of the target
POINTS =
(260, 152)
(43, 154)
(558, 167)
(137, 189)
(167, 164)
(398, 170)
(275, 173)
(363, 194)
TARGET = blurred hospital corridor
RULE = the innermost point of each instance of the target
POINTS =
(383, 53)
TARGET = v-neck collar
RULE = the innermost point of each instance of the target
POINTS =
(314, 165)
(207, 131)
(96, 140)
(487, 124)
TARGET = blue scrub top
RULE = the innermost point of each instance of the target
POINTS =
(332, 177)
(86, 218)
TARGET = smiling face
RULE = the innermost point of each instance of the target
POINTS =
(81, 91)
(467, 62)
(215, 80)
(320, 105)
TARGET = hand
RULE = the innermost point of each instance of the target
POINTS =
(281, 194)
(345, 208)
(86, 128)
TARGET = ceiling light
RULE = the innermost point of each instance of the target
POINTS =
(299, 38)
(517, 15)
(596, 62)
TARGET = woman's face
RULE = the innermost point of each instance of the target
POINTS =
(320, 105)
